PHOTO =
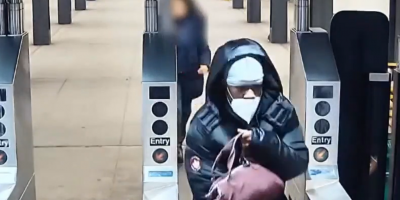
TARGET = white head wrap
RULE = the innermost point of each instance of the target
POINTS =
(246, 71)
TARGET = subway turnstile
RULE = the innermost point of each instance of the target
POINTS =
(17, 177)
(315, 92)
(159, 111)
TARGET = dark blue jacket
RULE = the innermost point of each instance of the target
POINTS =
(192, 44)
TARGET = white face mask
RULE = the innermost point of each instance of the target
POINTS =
(245, 108)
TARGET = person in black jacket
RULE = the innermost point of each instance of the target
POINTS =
(244, 94)
(193, 59)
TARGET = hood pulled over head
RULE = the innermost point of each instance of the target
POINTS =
(223, 60)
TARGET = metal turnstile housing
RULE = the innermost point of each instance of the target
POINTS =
(315, 93)
(17, 176)
(159, 119)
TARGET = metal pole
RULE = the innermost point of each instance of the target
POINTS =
(151, 16)
(302, 16)
(321, 12)
(253, 11)
(278, 21)
(80, 4)
(237, 4)
(15, 17)
(3, 18)
(41, 22)
(64, 12)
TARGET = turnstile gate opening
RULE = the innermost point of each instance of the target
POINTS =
(360, 44)
(17, 176)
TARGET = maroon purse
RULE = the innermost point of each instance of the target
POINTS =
(248, 181)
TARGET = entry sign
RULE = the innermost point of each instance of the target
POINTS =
(160, 141)
(321, 140)
(4, 143)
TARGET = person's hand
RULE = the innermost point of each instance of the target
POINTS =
(373, 165)
(246, 136)
(203, 69)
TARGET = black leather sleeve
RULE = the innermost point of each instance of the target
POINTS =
(278, 142)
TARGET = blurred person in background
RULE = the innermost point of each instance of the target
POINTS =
(244, 95)
(193, 59)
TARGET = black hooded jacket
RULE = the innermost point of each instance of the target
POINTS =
(277, 140)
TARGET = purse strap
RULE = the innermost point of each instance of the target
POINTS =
(232, 155)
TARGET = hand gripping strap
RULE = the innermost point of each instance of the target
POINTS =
(232, 144)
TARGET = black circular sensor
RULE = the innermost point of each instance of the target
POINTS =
(160, 156)
(321, 154)
(159, 127)
(322, 126)
(159, 109)
(2, 112)
(2, 129)
(322, 108)
(3, 157)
